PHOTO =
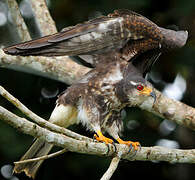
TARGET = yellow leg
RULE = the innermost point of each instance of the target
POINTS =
(101, 138)
(135, 145)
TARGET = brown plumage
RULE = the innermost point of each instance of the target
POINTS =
(122, 34)
(122, 47)
(96, 101)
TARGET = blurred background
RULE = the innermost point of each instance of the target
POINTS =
(173, 74)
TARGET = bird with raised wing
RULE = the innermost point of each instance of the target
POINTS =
(122, 47)
(96, 101)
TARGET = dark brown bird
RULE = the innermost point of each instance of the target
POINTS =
(96, 100)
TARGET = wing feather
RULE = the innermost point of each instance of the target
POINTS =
(99, 40)
(83, 38)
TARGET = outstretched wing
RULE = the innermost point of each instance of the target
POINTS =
(103, 35)
(87, 38)
(120, 35)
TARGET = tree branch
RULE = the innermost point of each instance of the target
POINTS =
(63, 69)
(38, 119)
(171, 109)
(18, 20)
(60, 68)
(42, 16)
(80, 146)
(112, 168)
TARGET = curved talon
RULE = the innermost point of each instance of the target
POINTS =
(113, 143)
(132, 145)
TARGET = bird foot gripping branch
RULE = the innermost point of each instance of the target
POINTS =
(101, 138)
(135, 145)
(122, 47)
(132, 145)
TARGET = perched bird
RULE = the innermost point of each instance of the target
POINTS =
(96, 101)
(122, 47)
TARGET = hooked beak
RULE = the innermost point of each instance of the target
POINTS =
(153, 95)
(148, 92)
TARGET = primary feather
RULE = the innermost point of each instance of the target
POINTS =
(122, 34)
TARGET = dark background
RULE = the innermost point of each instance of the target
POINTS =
(173, 74)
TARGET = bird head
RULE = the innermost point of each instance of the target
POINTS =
(136, 89)
(140, 91)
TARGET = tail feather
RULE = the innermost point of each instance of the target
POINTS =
(62, 115)
(38, 149)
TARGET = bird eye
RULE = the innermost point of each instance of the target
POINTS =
(140, 87)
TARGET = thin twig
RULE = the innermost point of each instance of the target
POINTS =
(145, 154)
(18, 20)
(112, 168)
(38, 119)
(42, 157)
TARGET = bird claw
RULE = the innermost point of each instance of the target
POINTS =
(100, 138)
(130, 148)
(135, 150)
(136, 147)
(133, 146)
(114, 146)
